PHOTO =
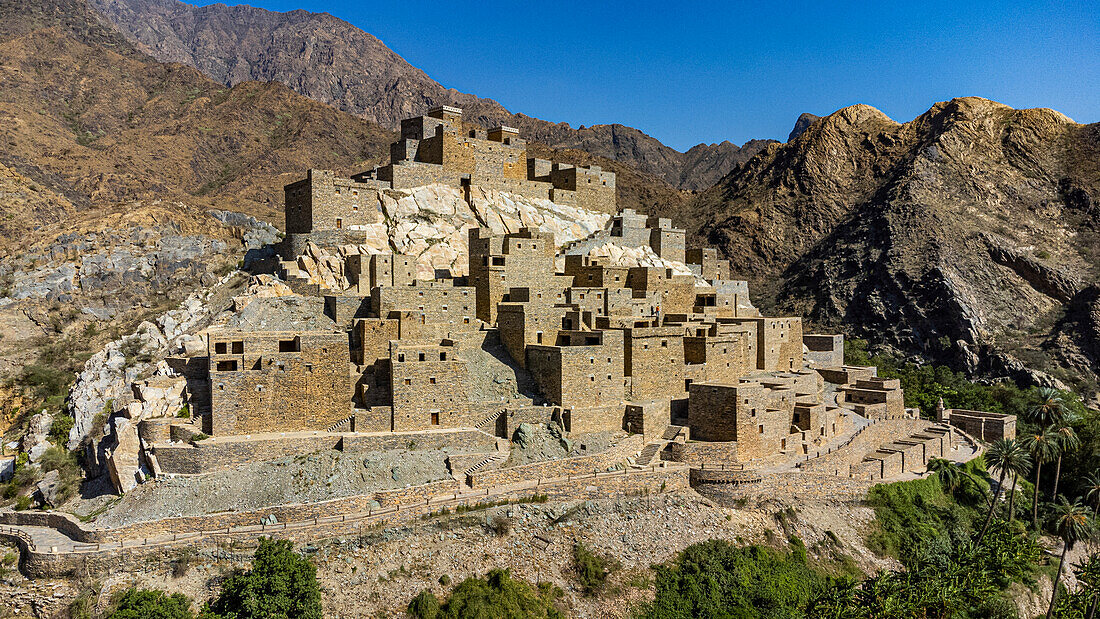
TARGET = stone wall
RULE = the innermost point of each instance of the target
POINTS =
(627, 447)
(278, 381)
(699, 453)
(654, 359)
(216, 453)
(582, 375)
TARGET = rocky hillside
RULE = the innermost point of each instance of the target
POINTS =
(332, 61)
(123, 181)
(969, 235)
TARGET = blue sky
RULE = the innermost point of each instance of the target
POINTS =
(691, 72)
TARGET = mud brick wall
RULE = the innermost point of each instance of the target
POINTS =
(617, 454)
(276, 390)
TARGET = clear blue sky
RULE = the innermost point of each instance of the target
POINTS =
(688, 72)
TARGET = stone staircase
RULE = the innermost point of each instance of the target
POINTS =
(489, 462)
(489, 423)
(344, 425)
(653, 450)
(649, 452)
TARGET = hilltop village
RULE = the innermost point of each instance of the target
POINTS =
(472, 327)
(669, 357)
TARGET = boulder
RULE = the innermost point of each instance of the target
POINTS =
(37, 439)
(47, 491)
(124, 460)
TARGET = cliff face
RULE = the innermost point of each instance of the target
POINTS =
(332, 61)
(968, 235)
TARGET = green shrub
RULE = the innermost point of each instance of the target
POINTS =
(281, 584)
(59, 429)
(151, 604)
(717, 579)
(592, 570)
(496, 596)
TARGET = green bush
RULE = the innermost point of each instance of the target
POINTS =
(496, 596)
(59, 429)
(592, 570)
(69, 472)
(151, 604)
(717, 579)
(281, 585)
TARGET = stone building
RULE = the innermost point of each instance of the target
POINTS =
(439, 148)
(601, 346)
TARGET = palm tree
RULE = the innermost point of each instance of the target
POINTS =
(1071, 523)
(949, 474)
(1088, 576)
(1044, 448)
(1067, 442)
(1092, 491)
(1007, 456)
(1050, 410)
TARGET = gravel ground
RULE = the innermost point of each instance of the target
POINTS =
(293, 479)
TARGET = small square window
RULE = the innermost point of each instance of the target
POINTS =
(431, 381)
(408, 381)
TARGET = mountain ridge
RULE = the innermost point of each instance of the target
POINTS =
(335, 62)
(968, 235)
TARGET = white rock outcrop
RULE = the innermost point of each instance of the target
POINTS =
(431, 222)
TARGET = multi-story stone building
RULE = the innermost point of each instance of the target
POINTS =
(600, 346)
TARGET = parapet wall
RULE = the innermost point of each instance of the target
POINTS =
(212, 454)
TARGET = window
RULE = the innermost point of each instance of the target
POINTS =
(339, 223)
(435, 419)
(309, 368)
(431, 381)
(664, 343)
(259, 387)
(289, 345)
(408, 381)
(401, 357)
(238, 348)
(443, 356)
(538, 337)
(227, 366)
(421, 356)
(220, 348)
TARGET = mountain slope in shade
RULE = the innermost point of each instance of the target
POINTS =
(332, 61)
(970, 234)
